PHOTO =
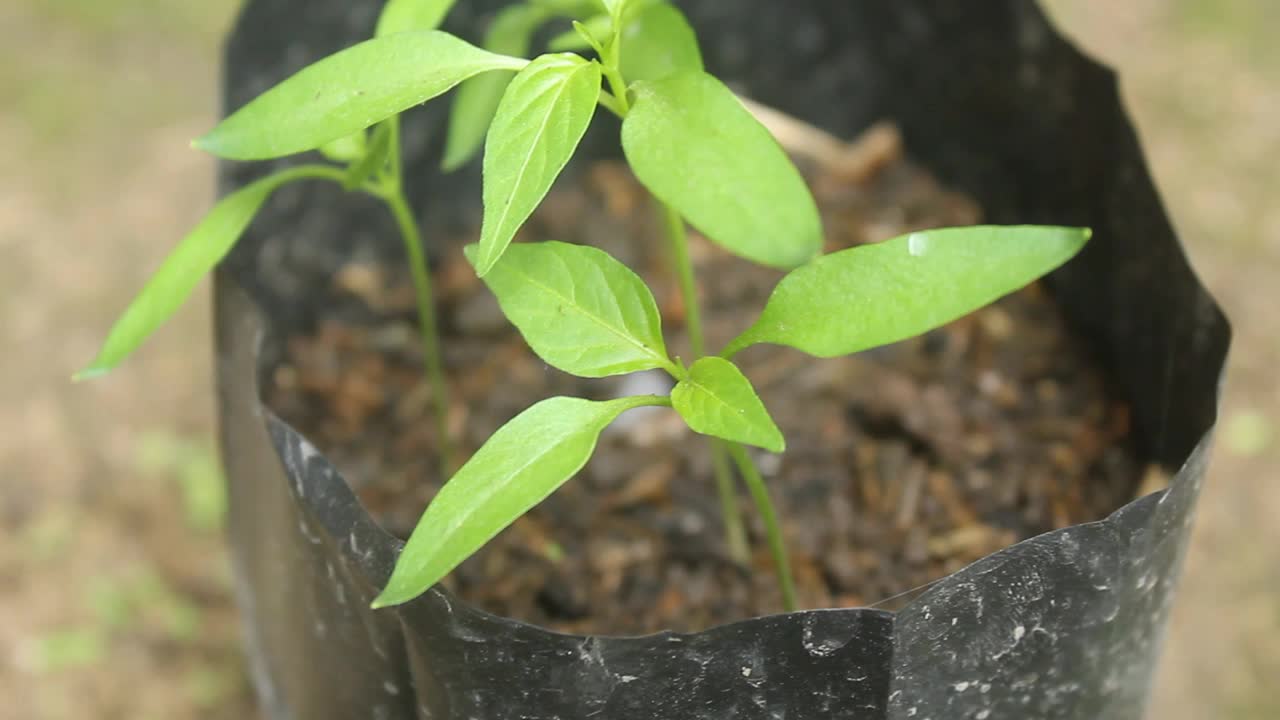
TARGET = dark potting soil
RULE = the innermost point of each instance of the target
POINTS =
(904, 463)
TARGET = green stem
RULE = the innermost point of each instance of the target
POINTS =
(735, 532)
(678, 242)
(392, 193)
(777, 544)
(610, 64)
(619, 88)
(393, 158)
(610, 103)
(309, 172)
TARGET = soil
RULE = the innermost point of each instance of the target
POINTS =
(904, 463)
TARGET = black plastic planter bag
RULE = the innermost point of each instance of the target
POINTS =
(1065, 625)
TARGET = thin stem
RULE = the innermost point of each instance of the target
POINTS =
(653, 400)
(678, 243)
(312, 171)
(393, 157)
(777, 544)
(735, 532)
(610, 63)
(391, 191)
(610, 103)
(619, 88)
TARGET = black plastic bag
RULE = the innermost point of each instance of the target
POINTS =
(1065, 625)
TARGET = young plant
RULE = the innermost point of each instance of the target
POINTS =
(708, 163)
(587, 314)
(321, 109)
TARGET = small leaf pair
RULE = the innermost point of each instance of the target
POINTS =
(587, 314)
(655, 40)
(510, 33)
(688, 140)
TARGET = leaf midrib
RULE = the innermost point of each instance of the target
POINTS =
(492, 488)
(698, 385)
(621, 333)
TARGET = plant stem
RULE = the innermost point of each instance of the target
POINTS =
(777, 544)
(309, 172)
(735, 532)
(619, 87)
(678, 240)
(391, 190)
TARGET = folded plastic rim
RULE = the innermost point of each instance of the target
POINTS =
(1064, 625)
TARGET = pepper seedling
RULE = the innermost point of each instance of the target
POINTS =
(323, 108)
(708, 162)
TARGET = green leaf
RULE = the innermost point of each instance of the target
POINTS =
(510, 34)
(520, 465)
(657, 42)
(579, 309)
(407, 15)
(717, 399)
(694, 146)
(878, 294)
(542, 118)
(349, 91)
(568, 8)
(195, 256)
(615, 7)
(599, 27)
(346, 148)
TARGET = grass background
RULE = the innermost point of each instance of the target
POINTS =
(114, 590)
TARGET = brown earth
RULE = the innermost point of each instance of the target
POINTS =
(108, 584)
(903, 464)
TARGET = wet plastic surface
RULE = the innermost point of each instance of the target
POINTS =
(1065, 625)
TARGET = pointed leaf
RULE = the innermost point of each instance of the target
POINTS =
(717, 399)
(406, 15)
(349, 91)
(657, 41)
(873, 295)
(615, 7)
(542, 118)
(520, 465)
(599, 27)
(194, 257)
(478, 98)
(579, 309)
(693, 145)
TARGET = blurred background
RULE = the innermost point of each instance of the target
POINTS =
(115, 597)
